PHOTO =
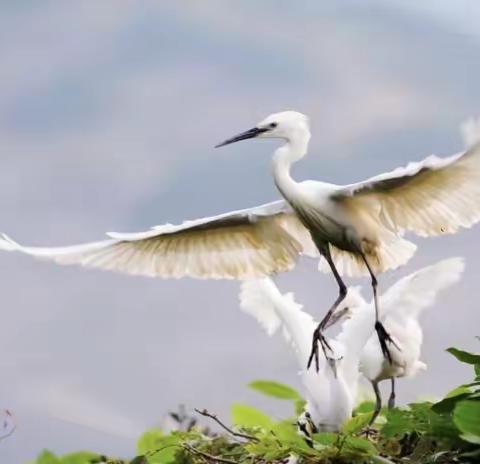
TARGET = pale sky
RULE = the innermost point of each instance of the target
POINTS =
(109, 112)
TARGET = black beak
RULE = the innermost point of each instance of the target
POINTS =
(249, 134)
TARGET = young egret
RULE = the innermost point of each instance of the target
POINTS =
(357, 228)
(402, 306)
(330, 392)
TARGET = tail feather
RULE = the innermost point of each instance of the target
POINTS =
(389, 254)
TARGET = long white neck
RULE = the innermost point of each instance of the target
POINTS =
(293, 150)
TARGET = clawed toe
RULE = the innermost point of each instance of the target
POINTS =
(369, 432)
(384, 337)
(318, 339)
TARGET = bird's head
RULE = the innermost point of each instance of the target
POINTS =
(284, 125)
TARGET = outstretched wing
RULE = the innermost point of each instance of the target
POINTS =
(432, 197)
(257, 298)
(262, 300)
(244, 244)
(417, 291)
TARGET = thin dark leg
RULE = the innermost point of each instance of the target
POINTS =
(335, 318)
(383, 335)
(378, 402)
(391, 400)
(317, 334)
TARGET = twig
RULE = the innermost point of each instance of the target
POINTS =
(205, 413)
(207, 456)
(14, 427)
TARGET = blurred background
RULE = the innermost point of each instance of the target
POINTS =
(109, 112)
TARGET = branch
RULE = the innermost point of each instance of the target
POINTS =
(205, 413)
(207, 456)
(14, 426)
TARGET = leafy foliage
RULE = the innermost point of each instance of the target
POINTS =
(447, 431)
(275, 389)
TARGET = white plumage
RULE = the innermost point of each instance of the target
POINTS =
(238, 245)
(358, 228)
(330, 393)
(331, 399)
(431, 197)
(402, 306)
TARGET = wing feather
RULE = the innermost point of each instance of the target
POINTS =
(244, 244)
(273, 310)
(433, 197)
(417, 291)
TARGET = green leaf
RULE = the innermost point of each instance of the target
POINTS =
(364, 407)
(471, 438)
(149, 440)
(80, 457)
(447, 405)
(477, 369)
(398, 423)
(247, 416)
(465, 356)
(467, 418)
(287, 433)
(166, 451)
(157, 447)
(47, 457)
(356, 423)
(139, 460)
(358, 447)
(325, 438)
(458, 391)
(275, 389)
(286, 430)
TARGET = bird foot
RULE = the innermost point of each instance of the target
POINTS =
(383, 338)
(369, 432)
(318, 338)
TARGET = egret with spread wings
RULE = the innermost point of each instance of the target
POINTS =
(357, 228)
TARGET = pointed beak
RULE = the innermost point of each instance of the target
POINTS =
(249, 134)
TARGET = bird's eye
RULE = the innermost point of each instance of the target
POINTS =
(272, 125)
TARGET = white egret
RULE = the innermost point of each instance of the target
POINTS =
(358, 228)
(402, 306)
(330, 392)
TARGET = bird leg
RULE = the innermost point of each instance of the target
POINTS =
(391, 399)
(336, 317)
(378, 403)
(383, 335)
(318, 337)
